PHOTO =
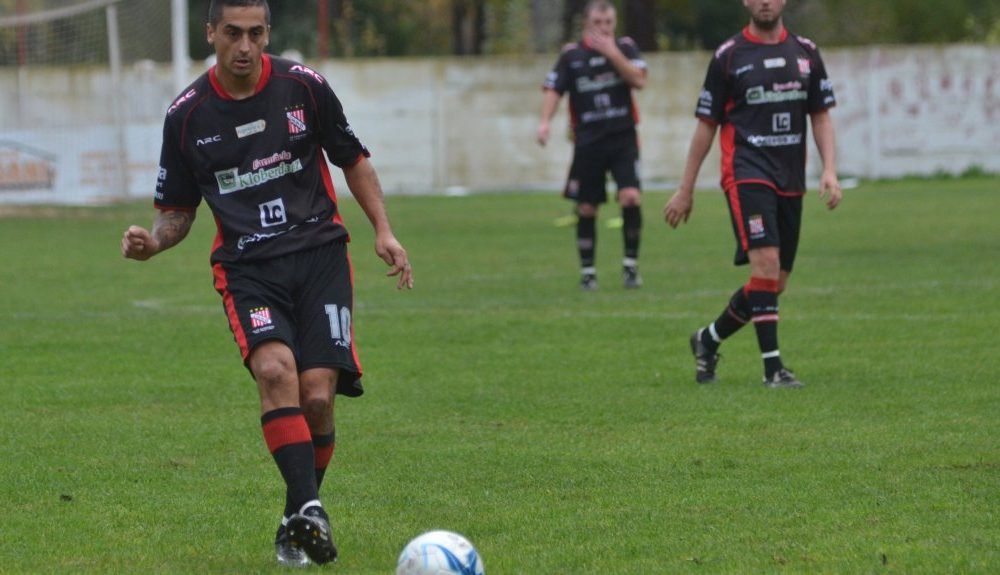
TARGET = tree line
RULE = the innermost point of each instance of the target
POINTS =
(371, 28)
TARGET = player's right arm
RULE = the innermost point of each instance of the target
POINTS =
(169, 228)
(678, 209)
(549, 105)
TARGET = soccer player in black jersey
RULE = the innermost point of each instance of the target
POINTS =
(761, 87)
(248, 137)
(599, 73)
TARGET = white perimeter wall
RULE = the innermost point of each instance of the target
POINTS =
(439, 125)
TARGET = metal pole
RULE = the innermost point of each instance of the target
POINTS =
(179, 40)
(115, 55)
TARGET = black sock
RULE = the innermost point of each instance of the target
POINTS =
(586, 240)
(631, 230)
(763, 297)
(290, 443)
(735, 316)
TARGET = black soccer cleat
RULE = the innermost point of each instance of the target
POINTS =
(704, 360)
(310, 531)
(288, 554)
(783, 379)
(588, 282)
(631, 276)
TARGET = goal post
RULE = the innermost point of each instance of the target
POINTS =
(79, 84)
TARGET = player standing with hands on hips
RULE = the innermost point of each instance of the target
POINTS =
(761, 86)
(248, 137)
(600, 72)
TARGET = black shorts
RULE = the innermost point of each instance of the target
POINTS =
(762, 217)
(304, 300)
(616, 153)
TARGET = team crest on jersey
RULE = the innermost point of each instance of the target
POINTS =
(296, 121)
(804, 67)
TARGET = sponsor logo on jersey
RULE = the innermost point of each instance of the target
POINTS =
(770, 63)
(743, 70)
(597, 61)
(177, 103)
(161, 176)
(774, 141)
(272, 213)
(282, 156)
(758, 95)
(232, 180)
(296, 121)
(250, 129)
(209, 140)
(781, 122)
(300, 69)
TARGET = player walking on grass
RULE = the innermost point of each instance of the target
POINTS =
(248, 138)
(599, 73)
(761, 86)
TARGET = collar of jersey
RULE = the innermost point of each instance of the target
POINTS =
(757, 40)
(265, 75)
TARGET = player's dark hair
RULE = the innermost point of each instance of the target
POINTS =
(599, 5)
(216, 6)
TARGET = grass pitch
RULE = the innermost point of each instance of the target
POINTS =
(561, 431)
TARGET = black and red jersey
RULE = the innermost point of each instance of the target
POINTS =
(600, 101)
(761, 95)
(258, 162)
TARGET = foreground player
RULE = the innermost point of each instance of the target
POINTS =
(761, 86)
(599, 73)
(248, 137)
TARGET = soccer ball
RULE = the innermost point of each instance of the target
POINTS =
(439, 553)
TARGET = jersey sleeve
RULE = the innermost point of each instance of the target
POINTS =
(821, 95)
(175, 184)
(714, 91)
(631, 51)
(558, 78)
(342, 145)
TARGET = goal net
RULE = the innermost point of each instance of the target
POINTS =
(79, 82)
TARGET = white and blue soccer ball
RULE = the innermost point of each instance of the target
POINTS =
(439, 553)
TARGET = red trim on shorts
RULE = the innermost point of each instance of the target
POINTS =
(222, 286)
(733, 197)
(354, 342)
(285, 431)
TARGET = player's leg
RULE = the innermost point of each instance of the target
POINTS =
(624, 165)
(589, 168)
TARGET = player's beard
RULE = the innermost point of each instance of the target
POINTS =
(767, 23)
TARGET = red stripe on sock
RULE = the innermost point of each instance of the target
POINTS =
(286, 431)
(324, 455)
(761, 284)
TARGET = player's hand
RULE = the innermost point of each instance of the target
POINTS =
(829, 190)
(602, 43)
(678, 208)
(139, 244)
(543, 133)
(391, 251)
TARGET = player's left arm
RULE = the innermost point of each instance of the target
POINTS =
(365, 187)
(826, 142)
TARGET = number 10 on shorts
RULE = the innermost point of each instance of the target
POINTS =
(340, 324)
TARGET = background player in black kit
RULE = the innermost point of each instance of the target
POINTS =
(599, 73)
(248, 137)
(761, 86)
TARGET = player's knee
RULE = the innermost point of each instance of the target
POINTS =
(629, 197)
(317, 408)
(586, 210)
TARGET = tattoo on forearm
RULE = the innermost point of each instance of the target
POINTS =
(171, 227)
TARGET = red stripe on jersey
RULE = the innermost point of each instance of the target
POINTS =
(287, 430)
(222, 286)
(330, 191)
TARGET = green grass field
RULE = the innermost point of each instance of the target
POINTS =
(561, 431)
